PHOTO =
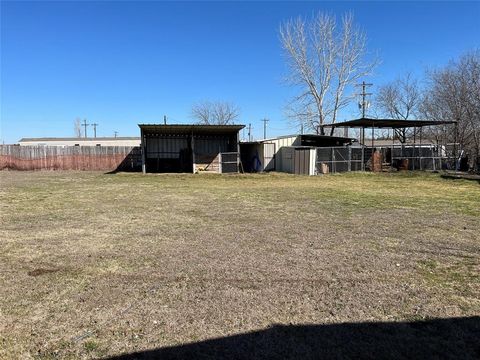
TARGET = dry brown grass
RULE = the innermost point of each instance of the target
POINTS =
(94, 265)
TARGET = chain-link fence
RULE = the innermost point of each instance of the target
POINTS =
(395, 157)
(339, 159)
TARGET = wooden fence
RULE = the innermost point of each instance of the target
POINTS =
(105, 158)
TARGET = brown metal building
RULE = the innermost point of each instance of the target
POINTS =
(190, 148)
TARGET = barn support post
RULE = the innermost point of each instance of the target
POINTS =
(238, 151)
(143, 149)
(192, 142)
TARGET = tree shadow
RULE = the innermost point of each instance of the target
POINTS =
(451, 338)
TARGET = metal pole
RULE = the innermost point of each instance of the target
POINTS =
(455, 147)
(420, 149)
(373, 150)
(414, 139)
(393, 147)
(349, 158)
(363, 157)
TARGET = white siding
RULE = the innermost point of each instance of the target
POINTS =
(282, 142)
(82, 142)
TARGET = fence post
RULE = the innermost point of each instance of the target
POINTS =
(220, 163)
(349, 159)
(363, 158)
(334, 167)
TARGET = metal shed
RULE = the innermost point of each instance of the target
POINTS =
(190, 148)
(268, 154)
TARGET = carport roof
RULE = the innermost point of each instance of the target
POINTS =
(387, 123)
(185, 129)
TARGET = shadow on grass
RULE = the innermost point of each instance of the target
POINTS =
(470, 177)
(453, 338)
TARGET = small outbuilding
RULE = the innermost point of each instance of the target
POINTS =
(190, 148)
(287, 153)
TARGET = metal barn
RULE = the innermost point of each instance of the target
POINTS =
(190, 148)
(290, 153)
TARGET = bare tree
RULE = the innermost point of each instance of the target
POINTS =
(400, 99)
(215, 112)
(77, 127)
(324, 62)
(454, 94)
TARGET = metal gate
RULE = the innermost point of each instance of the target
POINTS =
(269, 156)
(302, 162)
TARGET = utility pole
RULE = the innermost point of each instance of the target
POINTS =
(364, 105)
(364, 95)
(249, 132)
(265, 120)
(85, 126)
(115, 134)
(94, 129)
(164, 119)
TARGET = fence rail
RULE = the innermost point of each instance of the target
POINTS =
(105, 158)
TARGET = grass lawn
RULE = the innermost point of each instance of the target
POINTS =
(95, 265)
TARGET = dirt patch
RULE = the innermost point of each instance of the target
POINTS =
(41, 271)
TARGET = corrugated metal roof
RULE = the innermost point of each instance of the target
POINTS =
(80, 139)
(304, 136)
(189, 128)
(388, 123)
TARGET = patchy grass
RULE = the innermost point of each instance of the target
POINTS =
(94, 265)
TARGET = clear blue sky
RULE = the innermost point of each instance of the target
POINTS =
(123, 63)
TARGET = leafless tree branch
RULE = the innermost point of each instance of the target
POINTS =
(215, 112)
(323, 61)
(77, 127)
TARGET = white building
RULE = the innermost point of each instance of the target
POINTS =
(73, 141)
